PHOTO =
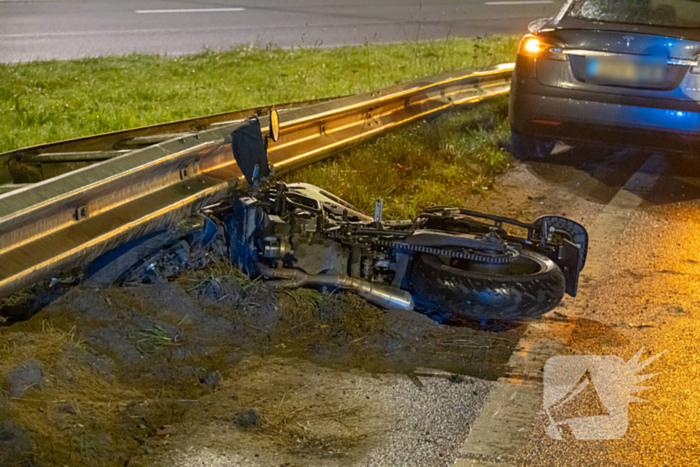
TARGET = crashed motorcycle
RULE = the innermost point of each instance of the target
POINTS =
(451, 263)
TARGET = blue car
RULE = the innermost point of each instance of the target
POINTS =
(612, 72)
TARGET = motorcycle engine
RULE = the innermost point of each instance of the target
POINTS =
(297, 243)
(289, 235)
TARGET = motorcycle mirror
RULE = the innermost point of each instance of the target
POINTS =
(274, 126)
(249, 150)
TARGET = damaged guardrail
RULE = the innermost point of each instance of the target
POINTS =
(68, 220)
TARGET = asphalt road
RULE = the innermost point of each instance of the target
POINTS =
(637, 308)
(44, 30)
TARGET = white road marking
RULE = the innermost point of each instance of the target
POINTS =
(521, 2)
(191, 10)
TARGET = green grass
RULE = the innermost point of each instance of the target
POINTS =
(440, 161)
(154, 339)
(49, 101)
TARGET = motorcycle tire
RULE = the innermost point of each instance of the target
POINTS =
(528, 287)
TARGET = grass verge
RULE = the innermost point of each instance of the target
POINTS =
(441, 161)
(49, 101)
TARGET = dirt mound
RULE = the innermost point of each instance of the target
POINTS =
(131, 375)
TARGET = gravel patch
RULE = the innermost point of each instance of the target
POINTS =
(418, 420)
(434, 416)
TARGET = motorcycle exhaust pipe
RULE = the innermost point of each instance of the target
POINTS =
(377, 294)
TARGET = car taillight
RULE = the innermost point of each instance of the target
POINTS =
(536, 47)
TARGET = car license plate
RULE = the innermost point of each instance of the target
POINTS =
(606, 70)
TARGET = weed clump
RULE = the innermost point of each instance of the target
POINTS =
(154, 339)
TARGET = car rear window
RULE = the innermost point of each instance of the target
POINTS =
(669, 13)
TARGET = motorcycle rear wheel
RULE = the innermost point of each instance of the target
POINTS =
(528, 287)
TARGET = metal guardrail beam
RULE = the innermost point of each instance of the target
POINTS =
(71, 219)
(117, 139)
(43, 161)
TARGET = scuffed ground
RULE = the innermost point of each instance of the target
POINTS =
(217, 370)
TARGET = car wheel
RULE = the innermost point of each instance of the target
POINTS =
(525, 147)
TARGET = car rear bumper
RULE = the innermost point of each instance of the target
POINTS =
(574, 116)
